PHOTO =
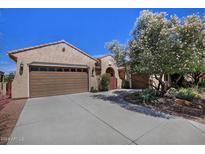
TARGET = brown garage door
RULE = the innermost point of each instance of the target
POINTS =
(57, 81)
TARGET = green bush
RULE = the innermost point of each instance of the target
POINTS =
(105, 80)
(188, 94)
(9, 77)
(201, 84)
(147, 95)
(172, 91)
(93, 90)
(125, 84)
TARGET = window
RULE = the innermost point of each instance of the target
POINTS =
(51, 69)
(42, 69)
(34, 69)
(59, 69)
(73, 70)
(84, 70)
(66, 69)
(79, 70)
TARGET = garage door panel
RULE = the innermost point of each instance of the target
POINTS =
(48, 81)
(56, 92)
(59, 76)
(50, 88)
(55, 78)
(57, 83)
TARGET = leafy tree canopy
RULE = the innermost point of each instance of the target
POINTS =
(118, 51)
(162, 45)
(9, 77)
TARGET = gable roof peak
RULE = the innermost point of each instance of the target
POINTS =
(10, 53)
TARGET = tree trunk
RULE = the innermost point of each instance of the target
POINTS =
(161, 87)
(128, 74)
(196, 77)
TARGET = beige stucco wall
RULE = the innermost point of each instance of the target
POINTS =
(107, 62)
(3, 88)
(49, 54)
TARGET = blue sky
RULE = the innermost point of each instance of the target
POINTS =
(87, 29)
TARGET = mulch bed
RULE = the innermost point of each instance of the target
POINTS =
(168, 105)
(4, 100)
(8, 118)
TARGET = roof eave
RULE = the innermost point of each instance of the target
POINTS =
(48, 44)
(12, 57)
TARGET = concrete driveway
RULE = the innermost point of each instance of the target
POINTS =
(100, 118)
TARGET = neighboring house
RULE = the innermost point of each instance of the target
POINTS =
(2, 84)
(59, 68)
(1, 76)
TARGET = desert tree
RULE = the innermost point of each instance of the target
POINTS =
(162, 45)
(120, 54)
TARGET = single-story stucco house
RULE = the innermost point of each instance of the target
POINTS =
(61, 68)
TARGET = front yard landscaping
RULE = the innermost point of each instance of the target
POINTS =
(171, 51)
(4, 100)
(8, 118)
(186, 102)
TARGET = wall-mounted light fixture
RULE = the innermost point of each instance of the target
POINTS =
(63, 49)
(93, 72)
(21, 69)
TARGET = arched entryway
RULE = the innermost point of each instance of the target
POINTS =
(113, 80)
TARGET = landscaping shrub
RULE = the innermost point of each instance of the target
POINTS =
(9, 77)
(201, 84)
(172, 91)
(104, 82)
(188, 94)
(147, 95)
(93, 90)
(125, 84)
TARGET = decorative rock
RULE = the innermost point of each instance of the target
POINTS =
(183, 102)
(187, 110)
(199, 107)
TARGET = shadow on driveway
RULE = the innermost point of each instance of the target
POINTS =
(117, 97)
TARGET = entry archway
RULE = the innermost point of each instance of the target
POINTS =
(110, 71)
(113, 80)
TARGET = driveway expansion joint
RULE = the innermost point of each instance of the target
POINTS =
(84, 108)
(150, 130)
(199, 129)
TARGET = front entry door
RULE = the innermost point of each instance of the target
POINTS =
(113, 83)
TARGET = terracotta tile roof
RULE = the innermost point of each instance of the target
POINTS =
(11, 53)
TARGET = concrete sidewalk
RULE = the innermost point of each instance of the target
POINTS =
(101, 118)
